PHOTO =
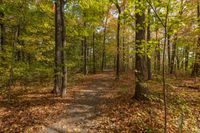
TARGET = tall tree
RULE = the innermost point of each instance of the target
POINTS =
(196, 67)
(163, 65)
(85, 47)
(169, 51)
(118, 39)
(11, 74)
(174, 53)
(104, 45)
(157, 52)
(165, 25)
(123, 47)
(2, 29)
(64, 69)
(60, 40)
(85, 55)
(186, 51)
(94, 53)
(149, 68)
(140, 57)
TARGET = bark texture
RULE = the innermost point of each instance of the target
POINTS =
(60, 80)
(140, 61)
(196, 66)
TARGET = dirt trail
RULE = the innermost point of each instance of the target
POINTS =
(83, 109)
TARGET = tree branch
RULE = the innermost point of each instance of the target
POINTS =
(154, 10)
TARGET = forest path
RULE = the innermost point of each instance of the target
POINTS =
(83, 109)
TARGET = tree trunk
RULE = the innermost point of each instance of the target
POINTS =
(104, 46)
(149, 69)
(127, 58)
(165, 25)
(60, 42)
(82, 55)
(168, 52)
(11, 76)
(163, 66)
(140, 63)
(196, 66)
(18, 52)
(186, 57)
(118, 42)
(85, 69)
(174, 50)
(57, 86)
(94, 54)
(64, 69)
(123, 48)
(2, 36)
(157, 51)
(177, 64)
(114, 63)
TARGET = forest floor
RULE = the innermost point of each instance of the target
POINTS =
(99, 103)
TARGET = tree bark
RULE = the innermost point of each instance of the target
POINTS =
(118, 41)
(60, 42)
(169, 52)
(186, 57)
(165, 25)
(174, 50)
(196, 66)
(58, 38)
(94, 54)
(123, 48)
(2, 36)
(140, 63)
(163, 66)
(11, 76)
(64, 69)
(174, 57)
(85, 69)
(104, 46)
(149, 68)
(157, 55)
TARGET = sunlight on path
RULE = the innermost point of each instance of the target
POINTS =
(83, 109)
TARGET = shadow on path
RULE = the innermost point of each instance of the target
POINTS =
(83, 109)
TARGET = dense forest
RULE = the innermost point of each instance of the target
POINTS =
(100, 66)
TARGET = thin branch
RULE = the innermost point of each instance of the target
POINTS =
(154, 10)
(163, 72)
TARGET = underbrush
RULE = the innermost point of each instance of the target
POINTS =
(31, 105)
(129, 115)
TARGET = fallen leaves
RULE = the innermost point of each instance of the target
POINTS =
(117, 112)
(30, 110)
